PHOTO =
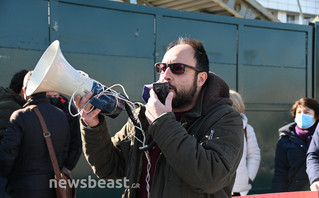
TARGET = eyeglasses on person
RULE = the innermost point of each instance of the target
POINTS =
(176, 68)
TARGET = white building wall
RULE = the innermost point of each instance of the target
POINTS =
(309, 8)
(282, 16)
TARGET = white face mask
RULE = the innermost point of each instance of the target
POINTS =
(304, 121)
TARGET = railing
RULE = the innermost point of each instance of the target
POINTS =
(301, 194)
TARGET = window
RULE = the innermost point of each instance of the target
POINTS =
(290, 18)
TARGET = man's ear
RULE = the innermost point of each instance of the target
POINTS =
(201, 79)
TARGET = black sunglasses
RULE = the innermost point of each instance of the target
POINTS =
(176, 68)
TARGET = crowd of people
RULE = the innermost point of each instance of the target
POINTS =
(25, 164)
(195, 143)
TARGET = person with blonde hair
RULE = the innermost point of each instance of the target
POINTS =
(249, 164)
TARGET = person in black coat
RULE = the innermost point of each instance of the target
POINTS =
(75, 150)
(313, 161)
(11, 99)
(290, 159)
(24, 157)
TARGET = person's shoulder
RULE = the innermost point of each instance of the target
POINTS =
(6, 93)
(3, 90)
(286, 129)
(20, 113)
(52, 107)
(250, 128)
(48, 108)
(225, 108)
(285, 133)
(224, 112)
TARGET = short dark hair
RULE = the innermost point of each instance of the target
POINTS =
(17, 81)
(306, 102)
(199, 55)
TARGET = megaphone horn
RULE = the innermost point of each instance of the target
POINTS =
(54, 73)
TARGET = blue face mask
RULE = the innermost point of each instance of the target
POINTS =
(304, 121)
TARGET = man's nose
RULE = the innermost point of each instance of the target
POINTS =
(167, 75)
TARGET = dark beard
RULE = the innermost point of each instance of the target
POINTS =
(184, 98)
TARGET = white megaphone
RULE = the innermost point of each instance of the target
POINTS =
(54, 73)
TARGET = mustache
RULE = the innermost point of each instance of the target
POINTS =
(173, 87)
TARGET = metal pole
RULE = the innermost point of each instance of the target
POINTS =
(301, 14)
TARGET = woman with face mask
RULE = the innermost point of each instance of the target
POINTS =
(291, 151)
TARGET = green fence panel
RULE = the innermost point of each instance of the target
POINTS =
(23, 32)
(99, 30)
(220, 41)
(24, 24)
(270, 64)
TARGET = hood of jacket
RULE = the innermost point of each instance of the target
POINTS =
(287, 129)
(37, 98)
(214, 93)
(7, 94)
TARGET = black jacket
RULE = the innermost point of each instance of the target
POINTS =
(290, 162)
(9, 102)
(75, 135)
(313, 159)
(199, 155)
(24, 157)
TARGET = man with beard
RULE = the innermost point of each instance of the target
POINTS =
(198, 134)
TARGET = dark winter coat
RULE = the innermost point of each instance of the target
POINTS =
(199, 155)
(75, 135)
(290, 162)
(313, 158)
(9, 102)
(24, 157)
